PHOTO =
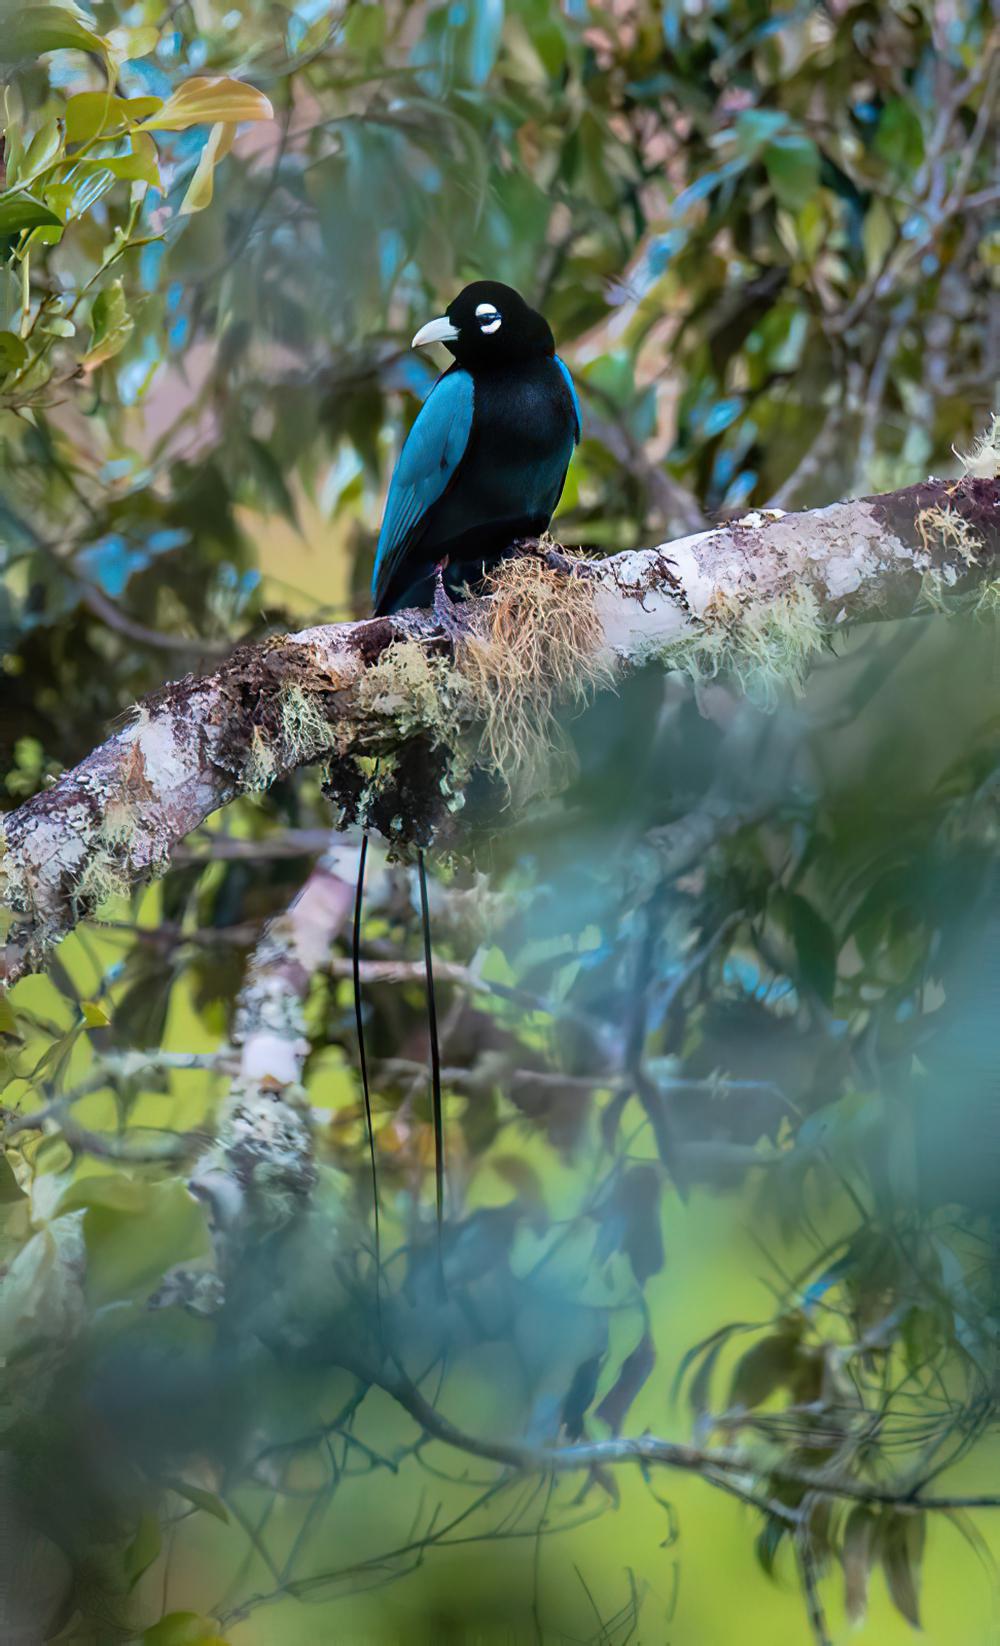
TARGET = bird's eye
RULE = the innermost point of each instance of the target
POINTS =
(489, 318)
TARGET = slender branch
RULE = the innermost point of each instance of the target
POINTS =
(262, 1162)
(651, 1449)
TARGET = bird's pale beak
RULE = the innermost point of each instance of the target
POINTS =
(435, 331)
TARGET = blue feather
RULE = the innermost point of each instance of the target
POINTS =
(573, 395)
(427, 464)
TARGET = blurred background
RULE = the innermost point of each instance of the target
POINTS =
(718, 1016)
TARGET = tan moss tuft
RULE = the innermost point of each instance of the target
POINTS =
(542, 647)
(983, 462)
(944, 528)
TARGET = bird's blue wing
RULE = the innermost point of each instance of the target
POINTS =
(573, 396)
(427, 464)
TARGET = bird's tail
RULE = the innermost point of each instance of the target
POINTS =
(436, 1106)
(363, 1061)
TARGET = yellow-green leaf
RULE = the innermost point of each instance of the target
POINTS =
(94, 1015)
(111, 1191)
(13, 352)
(92, 112)
(199, 190)
(43, 148)
(127, 44)
(859, 1534)
(202, 1499)
(901, 1536)
(111, 323)
(143, 1549)
(183, 1629)
(140, 165)
(207, 99)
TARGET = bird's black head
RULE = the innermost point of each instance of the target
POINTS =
(489, 324)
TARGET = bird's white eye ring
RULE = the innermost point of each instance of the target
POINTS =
(489, 317)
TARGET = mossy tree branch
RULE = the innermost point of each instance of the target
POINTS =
(758, 596)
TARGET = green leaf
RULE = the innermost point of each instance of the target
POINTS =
(57, 327)
(207, 99)
(134, 1232)
(209, 1501)
(43, 148)
(768, 1366)
(8, 1016)
(21, 211)
(141, 164)
(112, 325)
(10, 1188)
(768, 1542)
(754, 127)
(183, 1629)
(878, 235)
(859, 1534)
(125, 45)
(815, 946)
(900, 138)
(110, 1190)
(13, 352)
(94, 1015)
(143, 1549)
(91, 112)
(35, 29)
(792, 164)
(901, 1539)
(637, 1203)
(199, 190)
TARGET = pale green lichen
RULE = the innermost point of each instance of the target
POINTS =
(986, 601)
(103, 877)
(305, 730)
(261, 765)
(766, 648)
(417, 691)
(118, 825)
(935, 593)
(938, 594)
(983, 462)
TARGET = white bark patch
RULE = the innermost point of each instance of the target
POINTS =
(168, 763)
(843, 575)
(321, 909)
(272, 1056)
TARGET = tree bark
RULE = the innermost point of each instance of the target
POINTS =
(759, 595)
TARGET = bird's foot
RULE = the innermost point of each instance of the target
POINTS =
(543, 549)
(447, 612)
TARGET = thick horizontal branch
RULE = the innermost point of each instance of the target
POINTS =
(759, 595)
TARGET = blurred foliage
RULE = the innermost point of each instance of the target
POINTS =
(727, 1004)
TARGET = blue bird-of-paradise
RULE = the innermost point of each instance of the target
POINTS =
(484, 464)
